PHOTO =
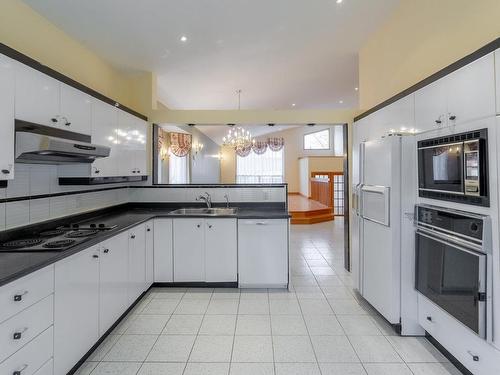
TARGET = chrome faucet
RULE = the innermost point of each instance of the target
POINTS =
(227, 200)
(206, 198)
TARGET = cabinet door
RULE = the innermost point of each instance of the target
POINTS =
(149, 254)
(140, 154)
(37, 97)
(7, 90)
(263, 253)
(76, 308)
(471, 91)
(104, 132)
(430, 106)
(113, 291)
(136, 262)
(126, 154)
(221, 250)
(163, 254)
(189, 252)
(76, 110)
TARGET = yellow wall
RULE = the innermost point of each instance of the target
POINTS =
(326, 164)
(28, 32)
(420, 38)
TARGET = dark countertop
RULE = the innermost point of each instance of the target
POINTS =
(14, 265)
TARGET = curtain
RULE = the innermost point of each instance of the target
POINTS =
(243, 151)
(180, 144)
(260, 168)
(275, 144)
(259, 147)
(178, 169)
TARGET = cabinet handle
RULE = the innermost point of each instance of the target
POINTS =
(19, 297)
(438, 121)
(18, 372)
(453, 118)
(475, 357)
(138, 171)
(198, 225)
(105, 251)
(95, 256)
(132, 236)
(210, 226)
(5, 171)
(261, 223)
(18, 335)
(54, 119)
(148, 230)
(67, 123)
(97, 171)
(429, 318)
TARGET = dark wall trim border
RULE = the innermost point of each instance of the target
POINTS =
(99, 180)
(483, 51)
(18, 56)
(60, 194)
(171, 186)
(26, 126)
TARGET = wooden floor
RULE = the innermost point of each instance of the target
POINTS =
(308, 211)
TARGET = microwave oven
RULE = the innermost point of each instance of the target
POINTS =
(455, 168)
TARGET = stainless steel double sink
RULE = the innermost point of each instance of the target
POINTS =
(216, 211)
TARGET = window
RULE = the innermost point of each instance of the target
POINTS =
(338, 195)
(178, 169)
(317, 141)
(260, 169)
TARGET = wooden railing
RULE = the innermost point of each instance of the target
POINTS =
(322, 187)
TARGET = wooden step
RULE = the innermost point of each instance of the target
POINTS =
(311, 217)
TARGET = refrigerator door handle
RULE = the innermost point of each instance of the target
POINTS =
(377, 190)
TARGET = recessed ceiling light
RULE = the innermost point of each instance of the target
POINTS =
(341, 101)
(339, 1)
(293, 104)
(356, 89)
(184, 38)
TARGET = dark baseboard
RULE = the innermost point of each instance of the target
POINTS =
(448, 355)
(196, 285)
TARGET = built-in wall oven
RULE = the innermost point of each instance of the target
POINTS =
(451, 262)
(455, 168)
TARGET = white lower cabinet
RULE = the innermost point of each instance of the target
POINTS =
(46, 369)
(113, 271)
(76, 308)
(220, 250)
(136, 262)
(189, 252)
(263, 253)
(149, 254)
(163, 253)
(32, 357)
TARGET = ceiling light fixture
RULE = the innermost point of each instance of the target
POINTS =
(293, 104)
(184, 38)
(339, 1)
(356, 89)
(238, 138)
(341, 101)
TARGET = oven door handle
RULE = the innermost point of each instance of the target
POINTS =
(451, 240)
(432, 236)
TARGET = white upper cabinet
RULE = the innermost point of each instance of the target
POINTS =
(7, 89)
(430, 106)
(140, 154)
(125, 149)
(37, 97)
(104, 128)
(497, 70)
(76, 110)
(465, 95)
(221, 250)
(471, 91)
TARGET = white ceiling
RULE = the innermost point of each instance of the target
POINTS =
(278, 52)
(217, 131)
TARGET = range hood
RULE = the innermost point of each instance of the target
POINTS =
(35, 146)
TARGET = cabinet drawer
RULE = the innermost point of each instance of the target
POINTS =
(31, 357)
(22, 293)
(23, 327)
(46, 369)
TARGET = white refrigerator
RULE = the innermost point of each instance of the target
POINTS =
(382, 220)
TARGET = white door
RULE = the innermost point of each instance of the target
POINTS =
(37, 97)
(126, 144)
(163, 252)
(7, 90)
(104, 127)
(189, 250)
(430, 105)
(221, 250)
(76, 110)
(113, 297)
(471, 91)
(136, 262)
(263, 253)
(149, 254)
(76, 308)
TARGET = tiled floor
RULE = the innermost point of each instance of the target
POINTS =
(320, 328)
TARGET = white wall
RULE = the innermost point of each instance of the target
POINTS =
(304, 176)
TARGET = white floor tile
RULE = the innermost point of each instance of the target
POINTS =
(131, 348)
(342, 369)
(218, 325)
(387, 369)
(152, 368)
(223, 306)
(334, 349)
(253, 306)
(212, 349)
(250, 325)
(117, 368)
(192, 306)
(207, 369)
(183, 325)
(285, 325)
(358, 325)
(319, 325)
(297, 369)
(293, 349)
(416, 349)
(252, 349)
(160, 306)
(147, 325)
(285, 307)
(374, 349)
(252, 369)
(433, 369)
(171, 348)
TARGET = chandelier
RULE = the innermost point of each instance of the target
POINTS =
(238, 138)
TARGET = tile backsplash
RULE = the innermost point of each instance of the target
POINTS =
(30, 196)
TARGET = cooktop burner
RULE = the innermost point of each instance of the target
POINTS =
(81, 233)
(59, 244)
(19, 244)
(51, 233)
